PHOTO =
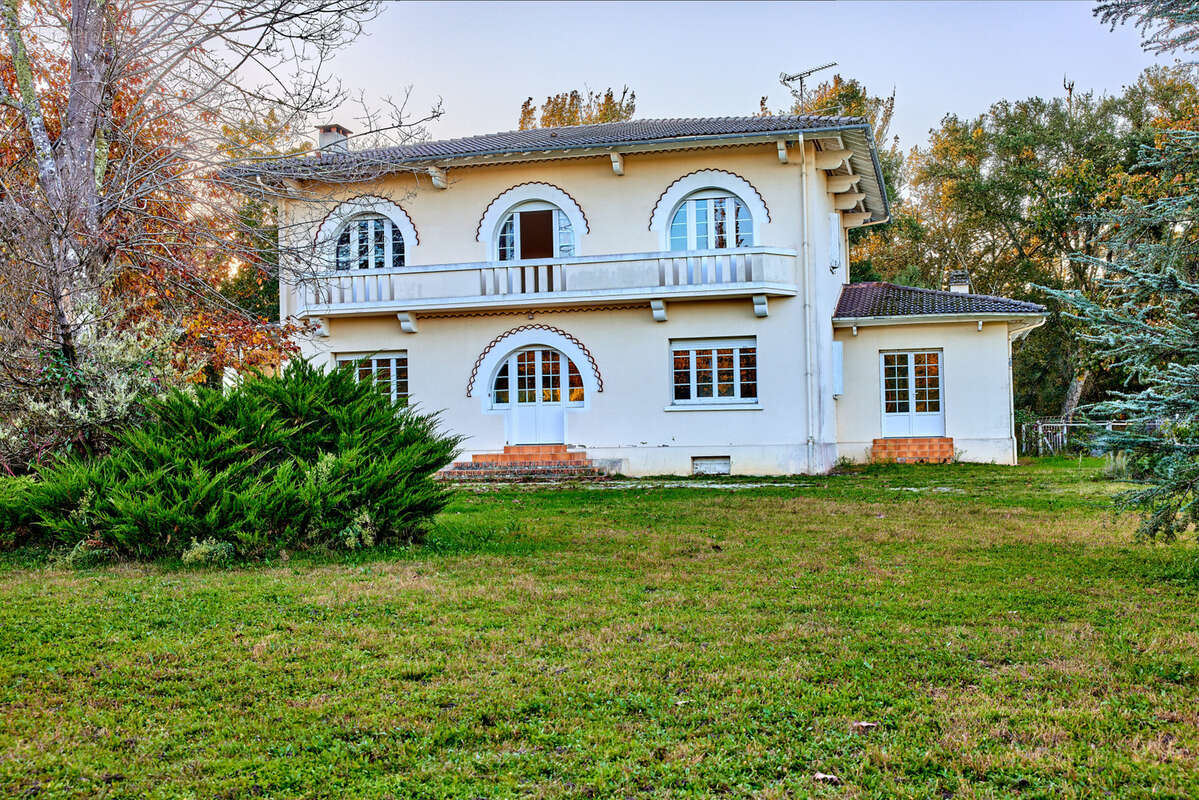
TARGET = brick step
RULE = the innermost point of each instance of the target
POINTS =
(486, 465)
(466, 471)
(563, 457)
(913, 450)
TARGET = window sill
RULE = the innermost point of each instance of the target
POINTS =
(715, 407)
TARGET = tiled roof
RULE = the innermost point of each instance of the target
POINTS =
(859, 300)
(359, 165)
(602, 134)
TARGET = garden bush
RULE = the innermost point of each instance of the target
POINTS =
(305, 459)
(16, 509)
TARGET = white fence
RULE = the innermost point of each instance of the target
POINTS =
(1052, 436)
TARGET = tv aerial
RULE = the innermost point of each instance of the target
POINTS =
(787, 80)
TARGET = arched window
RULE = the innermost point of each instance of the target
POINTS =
(537, 376)
(535, 229)
(370, 241)
(711, 220)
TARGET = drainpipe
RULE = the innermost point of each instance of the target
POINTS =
(808, 307)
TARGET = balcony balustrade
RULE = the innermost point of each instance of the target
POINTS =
(697, 274)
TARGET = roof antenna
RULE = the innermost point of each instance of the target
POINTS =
(787, 80)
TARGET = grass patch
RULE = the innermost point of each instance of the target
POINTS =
(659, 639)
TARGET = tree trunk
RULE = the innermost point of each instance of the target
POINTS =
(1078, 385)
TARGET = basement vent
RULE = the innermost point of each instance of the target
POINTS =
(711, 465)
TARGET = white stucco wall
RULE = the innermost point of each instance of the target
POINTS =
(976, 382)
(628, 420)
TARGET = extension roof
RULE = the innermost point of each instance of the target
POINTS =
(861, 301)
(592, 140)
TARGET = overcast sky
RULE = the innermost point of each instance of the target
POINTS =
(712, 59)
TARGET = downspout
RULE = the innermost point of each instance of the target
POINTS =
(808, 305)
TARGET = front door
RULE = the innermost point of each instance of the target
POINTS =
(911, 388)
(536, 385)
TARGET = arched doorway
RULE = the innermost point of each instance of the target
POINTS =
(535, 385)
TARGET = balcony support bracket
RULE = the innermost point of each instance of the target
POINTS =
(658, 309)
(761, 309)
(407, 321)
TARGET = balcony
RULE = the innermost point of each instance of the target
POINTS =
(609, 279)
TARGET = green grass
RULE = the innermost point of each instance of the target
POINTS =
(999, 626)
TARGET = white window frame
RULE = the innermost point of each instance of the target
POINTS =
(565, 237)
(391, 232)
(708, 200)
(694, 346)
(565, 363)
(397, 358)
(920, 423)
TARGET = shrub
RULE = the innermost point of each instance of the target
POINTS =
(290, 461)
(209, 551)
(88, 553)
(17, 513)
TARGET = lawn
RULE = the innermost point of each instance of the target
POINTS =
(998, 625)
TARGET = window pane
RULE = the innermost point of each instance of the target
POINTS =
(526, 377)
(703, 373)
(499, 389)
(682, 375)
(719, 211)
(397, 247)
(364, 243)
(749, 373)
(401, 378)
(678, 229)
(700, 210)
(551, 376)
(378, 243)
(927, 382)
(566, 236)
(343, 250)
(724, 374)
(507, 241)
(745, 225)
(895, 383)
(576, 382)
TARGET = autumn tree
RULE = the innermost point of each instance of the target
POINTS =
(579, 108)
(121, 211)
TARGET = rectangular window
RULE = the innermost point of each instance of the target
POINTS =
(714, 371)
(895, 382)
(912, 382)
(388, 371)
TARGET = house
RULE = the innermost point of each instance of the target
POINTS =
(668, 296)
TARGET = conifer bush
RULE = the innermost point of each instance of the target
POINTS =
(298, 461)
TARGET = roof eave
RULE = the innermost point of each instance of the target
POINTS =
(914, 319)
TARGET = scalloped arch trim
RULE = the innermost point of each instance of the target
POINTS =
(470, 384)
(523, 192)
(367, 204)
(708, 179)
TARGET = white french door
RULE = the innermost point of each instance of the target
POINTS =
(536, 385)
(912, 395)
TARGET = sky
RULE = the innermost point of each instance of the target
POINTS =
(713, 59)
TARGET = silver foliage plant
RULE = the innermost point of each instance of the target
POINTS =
(1144, 315)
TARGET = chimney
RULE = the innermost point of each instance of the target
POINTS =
(331, 138)
(959, 281)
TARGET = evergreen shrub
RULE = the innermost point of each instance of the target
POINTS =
(304, 459)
